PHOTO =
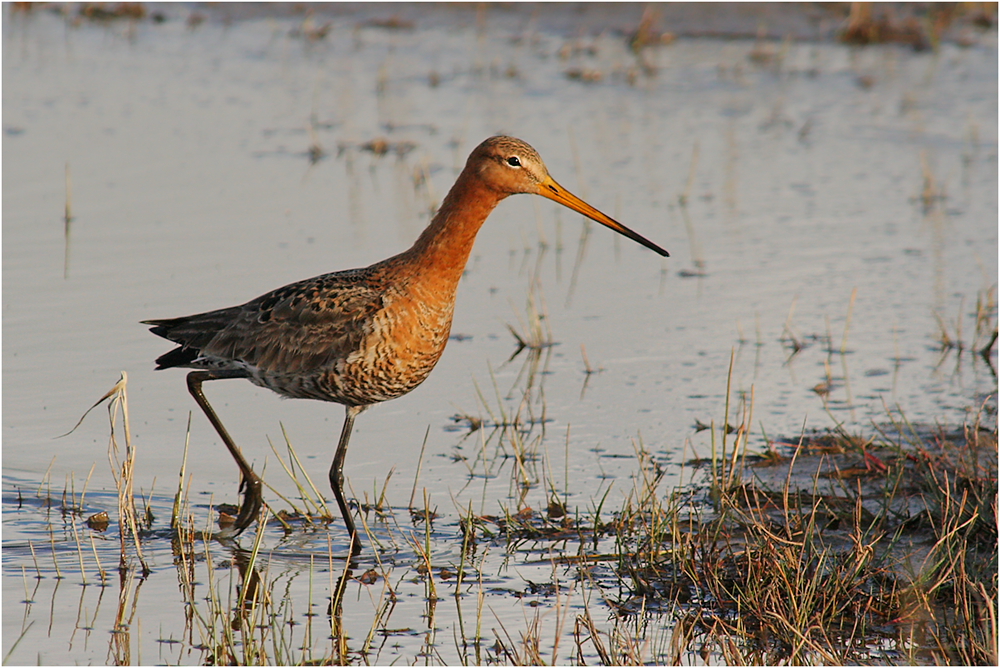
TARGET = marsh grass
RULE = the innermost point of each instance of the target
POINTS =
(984, 327)
(870, 23)
(123, 471)
(820, 555)
(533, 331)
(508, 428)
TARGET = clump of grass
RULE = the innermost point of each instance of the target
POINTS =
(828, 563)
(314, 508)
(123, 471)
(865, 26)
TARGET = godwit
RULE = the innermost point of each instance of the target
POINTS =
(361, 336)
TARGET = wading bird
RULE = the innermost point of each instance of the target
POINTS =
(361, 336)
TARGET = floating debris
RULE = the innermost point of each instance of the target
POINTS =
(98, 11)
(379, 146)
(99, 521)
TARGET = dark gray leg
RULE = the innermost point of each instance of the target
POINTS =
(337, 476)
(251, 486)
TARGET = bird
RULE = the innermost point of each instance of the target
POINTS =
(361, 336)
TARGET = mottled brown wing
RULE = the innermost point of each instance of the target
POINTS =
(301, 327)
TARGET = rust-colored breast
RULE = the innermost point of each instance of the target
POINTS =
(402, 343)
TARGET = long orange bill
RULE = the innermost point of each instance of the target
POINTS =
(549, 188)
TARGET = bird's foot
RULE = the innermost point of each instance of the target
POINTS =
(253, 500)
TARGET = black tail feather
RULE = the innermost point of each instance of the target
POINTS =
(160, 328)
(192, 333)
(178, 330)
(180, 356)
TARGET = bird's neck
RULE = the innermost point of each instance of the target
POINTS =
(442, 250)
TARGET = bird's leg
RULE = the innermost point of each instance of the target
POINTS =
(252, 484)
(337, 476)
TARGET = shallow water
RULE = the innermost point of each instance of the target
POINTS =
(802, 166)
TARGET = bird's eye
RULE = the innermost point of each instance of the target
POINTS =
(514, 161)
